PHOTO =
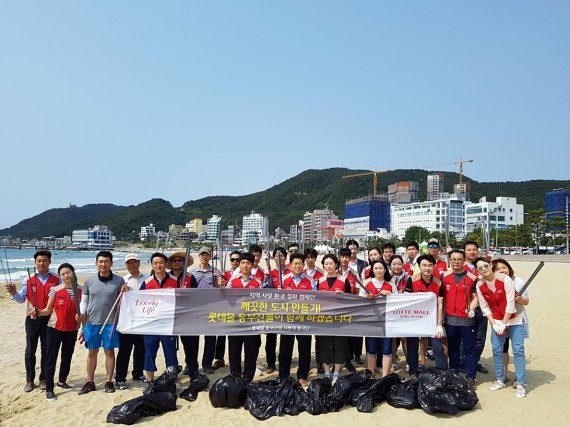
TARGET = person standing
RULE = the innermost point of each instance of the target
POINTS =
(34, 292)
(99, 295)
(412, 253)
(354, 343)
(388, 251)
(314, 273)
(131, 343)
(208, 277)
(295, 280)
(249, 343)
(62, 329)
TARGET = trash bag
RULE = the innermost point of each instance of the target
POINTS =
(343, 387)
(166, 382)
(228, 392)
(198, 383)
(443, 390)
(404, 395)
(143, 406)
(318, 397)
(266, 399)
(371, 393)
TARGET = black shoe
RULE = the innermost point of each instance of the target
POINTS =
(358, 360)
(270, 369)
(472, 382)
(87, 388)
(186, 371)
(350, 367)
(64, 386)
(42, 384)
(482, 369)
(29, 386)
(208, 370)
(429, 354)
(320, 370)
(141, 379)
(109, 387)
(50, 395)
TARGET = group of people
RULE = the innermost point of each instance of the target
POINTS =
(471, 293)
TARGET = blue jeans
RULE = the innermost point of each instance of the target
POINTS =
(374, 345)
(516, 334)
(466, 335)
(151, 343)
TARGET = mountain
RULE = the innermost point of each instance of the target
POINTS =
(284, 203)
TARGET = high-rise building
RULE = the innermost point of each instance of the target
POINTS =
(556, 202)
(195, 226)
(213, 227)
(504, 212)
(369, 213)
(435, 183)
(98, 237)
(462, 190)
(312, 223)
(254, 227)
(148, 232)
(403, 192)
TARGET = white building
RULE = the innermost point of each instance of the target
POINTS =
(254, 227)
(434, 215)
(98, 237)
(213, 227)
(313, 223)
(504, 212)
(435, 185)
(148, 232)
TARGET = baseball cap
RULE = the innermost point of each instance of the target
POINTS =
(206, 250)
(131, 257)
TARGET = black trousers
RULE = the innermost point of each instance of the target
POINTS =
(250, 344)
(286, 344)
(318, 358)
(129, 343)
(191, 345)
(271, 350)
(213, 347)
(36, 329)
(355, 346)
(56, 339)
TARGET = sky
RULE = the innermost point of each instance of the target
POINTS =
(123, 101)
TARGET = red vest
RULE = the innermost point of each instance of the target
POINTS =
(370, 287)
(65, 310)
(351, 279)
(274, 275)
(260, 274)
(304, 284)
(318, 274)
(418, 285)
(467, 268)
(236, 282)
(324, 286)
(457, 295)
(227, 275)
(187, 281)
(408, 268)
(440, 267)
(37, 293)
(497, 300)
(152, 283)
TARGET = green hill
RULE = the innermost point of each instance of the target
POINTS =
(284, 204)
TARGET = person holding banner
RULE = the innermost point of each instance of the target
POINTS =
(250, 343)
(378, 283)
(399, 281)
(62, 329)
(295, 280)
(425, 281)
(496, 294)
(354, 343)
(501, 265)
(159, 279)
(334, 349)
(314, 273)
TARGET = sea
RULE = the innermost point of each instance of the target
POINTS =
(14, 263)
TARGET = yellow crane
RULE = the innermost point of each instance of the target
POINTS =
(374, 182)
(460, 163)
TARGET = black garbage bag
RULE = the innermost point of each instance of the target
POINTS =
(266, 399)
(443, 390)
(197, 384)
(343, 387)
(228, 392)
(318, 397)
(404, 395)
(371, 393)
(166, 382)
(143, 406)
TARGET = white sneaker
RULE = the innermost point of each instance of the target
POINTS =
(497, 385)
(334, 378)
(521, 391)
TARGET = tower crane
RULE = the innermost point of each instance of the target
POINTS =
(460, 163)
(374, 182)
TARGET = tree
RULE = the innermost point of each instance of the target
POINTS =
(416, 234)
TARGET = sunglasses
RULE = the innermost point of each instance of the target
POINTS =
(292, 251)
(432, 246)
(177, 260)
(234, 259)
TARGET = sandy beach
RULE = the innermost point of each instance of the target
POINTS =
(547, 400)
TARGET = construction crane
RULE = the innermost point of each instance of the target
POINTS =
(460, 163)
(374, 183)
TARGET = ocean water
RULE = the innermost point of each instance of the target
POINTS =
(19, 260)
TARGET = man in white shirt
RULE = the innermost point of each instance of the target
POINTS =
(130, 342)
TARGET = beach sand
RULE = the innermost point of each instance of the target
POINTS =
(547, 401)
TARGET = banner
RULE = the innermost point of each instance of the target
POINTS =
(229, 311)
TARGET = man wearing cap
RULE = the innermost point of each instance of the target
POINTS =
(190, 343)
(131, 342)
(434, 249)
(207, 277)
